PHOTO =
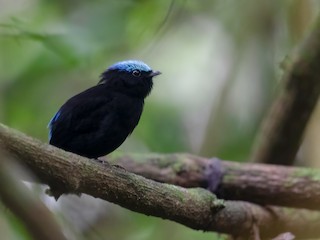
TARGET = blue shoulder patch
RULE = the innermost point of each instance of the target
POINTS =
(130, 65)
(55, 117)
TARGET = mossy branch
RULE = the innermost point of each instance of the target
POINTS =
(196, 208)
(24, 204)
(259, 183)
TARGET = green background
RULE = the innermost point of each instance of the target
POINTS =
(221, 63)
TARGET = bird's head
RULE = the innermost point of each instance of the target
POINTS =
(131, 77)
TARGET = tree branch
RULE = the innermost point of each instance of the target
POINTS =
(31, 211)
(283, 128)
(196, 208)
(259, 183)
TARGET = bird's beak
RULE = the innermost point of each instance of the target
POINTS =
(154, 73)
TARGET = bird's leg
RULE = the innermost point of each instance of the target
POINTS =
(102, 161)
(105, 162)
(118, 166)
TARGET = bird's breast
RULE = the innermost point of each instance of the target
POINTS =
(129, 112)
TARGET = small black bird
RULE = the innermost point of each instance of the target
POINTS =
(96, 121)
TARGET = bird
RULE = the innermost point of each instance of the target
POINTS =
(98, 120)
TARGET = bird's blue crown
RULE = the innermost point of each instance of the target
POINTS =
(130, 65)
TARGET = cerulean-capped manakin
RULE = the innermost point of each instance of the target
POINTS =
(96, 121)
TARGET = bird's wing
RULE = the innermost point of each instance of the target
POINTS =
(81, 114)
(52, 122)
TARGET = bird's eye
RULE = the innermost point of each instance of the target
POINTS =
(136, 73)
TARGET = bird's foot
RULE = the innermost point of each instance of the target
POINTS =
(102, 161)
(105, 162)
(120, 167)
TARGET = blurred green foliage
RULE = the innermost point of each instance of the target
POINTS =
(51, 50)
(9, 222)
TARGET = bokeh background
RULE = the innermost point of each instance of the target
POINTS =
(221, 60)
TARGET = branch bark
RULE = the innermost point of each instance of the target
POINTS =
(196, 208)
(31, 211)
(283, 128)
(259, 183)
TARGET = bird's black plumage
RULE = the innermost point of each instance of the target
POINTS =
(96, 121)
